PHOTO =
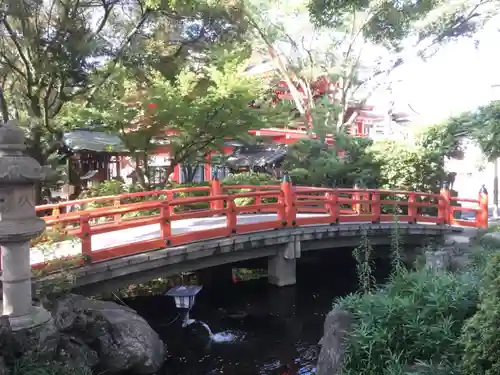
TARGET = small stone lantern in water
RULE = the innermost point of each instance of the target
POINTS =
(18, 225)
(184, 297)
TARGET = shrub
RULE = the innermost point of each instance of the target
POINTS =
(37, 366)
(189, 194)
(416, 317)
(481, 334)
(249, 178)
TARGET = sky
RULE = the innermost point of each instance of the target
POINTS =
(457, 79)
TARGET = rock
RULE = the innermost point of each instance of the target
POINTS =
(490, 239)
(76, 354)
(122, 340)
(197, 336)
(41, 340)
(9, 347)
(438, 260)
(4, 370)
(333, 343)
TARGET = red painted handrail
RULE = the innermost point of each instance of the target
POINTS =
(287, 202)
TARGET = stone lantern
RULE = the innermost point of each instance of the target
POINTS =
(18, 225)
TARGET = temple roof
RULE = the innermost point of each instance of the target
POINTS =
(257, 156)
(96, 141)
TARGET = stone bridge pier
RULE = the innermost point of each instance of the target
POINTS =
(18, 225)
(281, 268)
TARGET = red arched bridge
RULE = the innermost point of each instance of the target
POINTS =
(104, 228)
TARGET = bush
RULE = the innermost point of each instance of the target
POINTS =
(190, 194)
(114, 187)
(312, 163)
(36, 366)
(415, 319)
(481, 334)
(411, 169)
(249, 178)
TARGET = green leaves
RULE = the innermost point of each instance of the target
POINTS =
(411, 169)
(196, 113)
(312, 162)
(417, 317)
(484, 127)
(390, 22)
(445, 138)
(481, 336)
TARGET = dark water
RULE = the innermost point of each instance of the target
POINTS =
(274, 330)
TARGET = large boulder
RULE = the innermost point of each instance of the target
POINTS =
(4, 370)
(439, 260)
(112, 335)
(490, 239)
(337, 326)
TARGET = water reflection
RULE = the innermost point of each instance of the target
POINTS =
(255, 328)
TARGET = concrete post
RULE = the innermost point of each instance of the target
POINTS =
(18, 224)
(281, 268)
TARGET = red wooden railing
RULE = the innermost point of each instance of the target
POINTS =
(331, 206)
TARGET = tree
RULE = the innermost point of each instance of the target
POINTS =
(483, 126)
(58, 52)
(312, 162)
(49, 57)
(54, 52)
(195, 113)
(445, 138)
(358, 44)
(410, 169)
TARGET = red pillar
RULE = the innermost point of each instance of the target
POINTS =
(216, 189)
(177, 173)
(444, 205)
(482, 215)
(289, 201)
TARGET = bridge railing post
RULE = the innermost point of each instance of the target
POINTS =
(357, 197)
(289, 201)
(482, 215)
(332, 208)
(412, 208)
(86, 235)
(376, 207)
(258, 199)
(444, 205)
(231, 217)
(215, 190)
(365, 205)
(165, 224)
(170, 197)
(116, 204)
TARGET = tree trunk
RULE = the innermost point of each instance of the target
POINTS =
(35, 151)
(4, 109)
(139, 172)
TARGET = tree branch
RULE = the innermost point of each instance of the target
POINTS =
(115, 60)
(19, 49)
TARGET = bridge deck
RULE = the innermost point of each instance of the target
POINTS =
(143, 233)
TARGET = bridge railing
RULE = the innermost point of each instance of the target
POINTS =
(291, 206)
(142, 199)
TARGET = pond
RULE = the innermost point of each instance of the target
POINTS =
(258, 328)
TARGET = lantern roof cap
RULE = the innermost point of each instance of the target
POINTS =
(184, 291)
